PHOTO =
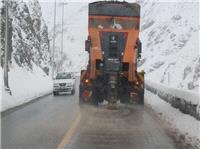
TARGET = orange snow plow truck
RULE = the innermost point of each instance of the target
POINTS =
(114, 49)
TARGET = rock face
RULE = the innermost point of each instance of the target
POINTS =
(170, 43)
(28, 35)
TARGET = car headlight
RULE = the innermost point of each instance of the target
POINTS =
(69, 84)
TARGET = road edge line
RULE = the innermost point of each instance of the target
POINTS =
(22, 105)
(69, 133)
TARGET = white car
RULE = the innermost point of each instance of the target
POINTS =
(64, 82)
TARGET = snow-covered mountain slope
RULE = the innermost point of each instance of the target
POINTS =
(29, 54)
(170, 36)
(28, 35)
(75, 32)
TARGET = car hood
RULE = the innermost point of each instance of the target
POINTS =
(64, 81)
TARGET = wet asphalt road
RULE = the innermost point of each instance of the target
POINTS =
(122, 127)
(50, 120)
(39, 125)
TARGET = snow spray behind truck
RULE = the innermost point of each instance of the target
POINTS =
(114, 49)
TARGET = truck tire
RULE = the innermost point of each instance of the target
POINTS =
(124, 91)
(80, 93)
(94, 100)
(73, 92)
(141, 98)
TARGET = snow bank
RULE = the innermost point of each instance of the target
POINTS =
(189, 96)
(186, 101)
(25, 86)
(185, 126)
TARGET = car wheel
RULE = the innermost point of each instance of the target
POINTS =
(73, 92)
(55, 93)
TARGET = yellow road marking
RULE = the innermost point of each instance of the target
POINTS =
(68, 135)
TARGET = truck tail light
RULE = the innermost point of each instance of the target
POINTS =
(86, 81)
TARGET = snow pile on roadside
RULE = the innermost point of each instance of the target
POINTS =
(25, 86)
(187, 95)
(186, 127)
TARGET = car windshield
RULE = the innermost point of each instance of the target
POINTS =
(63, 76)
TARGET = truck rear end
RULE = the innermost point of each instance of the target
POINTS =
(114, 49)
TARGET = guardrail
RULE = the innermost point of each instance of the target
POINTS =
(186, 101)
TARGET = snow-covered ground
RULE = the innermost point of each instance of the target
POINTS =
(25, 86)
(185, 126)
